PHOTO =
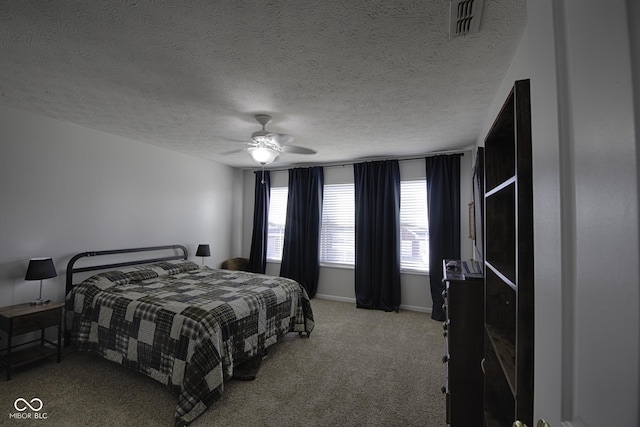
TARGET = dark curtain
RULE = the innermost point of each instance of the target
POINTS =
(258, 256)
(443, 205)
(377, 200)
(300, 253)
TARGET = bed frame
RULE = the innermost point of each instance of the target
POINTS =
(71, 270)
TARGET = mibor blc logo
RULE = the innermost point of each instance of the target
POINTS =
(28, 409)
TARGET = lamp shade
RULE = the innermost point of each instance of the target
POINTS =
(203, 250)
(40, 268)
(263, 155)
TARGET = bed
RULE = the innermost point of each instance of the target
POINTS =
(184, 325)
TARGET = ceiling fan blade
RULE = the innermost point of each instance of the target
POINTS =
(228, 153)
(245, 146)
(293, 149)
(282, 138)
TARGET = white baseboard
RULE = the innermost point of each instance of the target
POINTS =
(335, 298)
(415, 308)
(353, 301)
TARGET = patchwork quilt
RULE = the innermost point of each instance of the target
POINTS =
(184, 325)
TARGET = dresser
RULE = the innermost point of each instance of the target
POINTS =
(464, 346)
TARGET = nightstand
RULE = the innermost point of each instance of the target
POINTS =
(22, 318)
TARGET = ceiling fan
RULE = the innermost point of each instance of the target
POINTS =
(266, 146)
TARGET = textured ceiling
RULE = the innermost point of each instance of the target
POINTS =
(350, 79)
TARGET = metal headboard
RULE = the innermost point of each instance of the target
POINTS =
(71, 270)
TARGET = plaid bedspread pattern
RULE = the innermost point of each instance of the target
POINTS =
(185, 326)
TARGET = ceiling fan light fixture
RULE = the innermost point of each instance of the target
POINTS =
(263, 155)
(260, 134)
(266, 146)
(262, 139)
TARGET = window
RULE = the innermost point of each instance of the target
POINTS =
(414, 227)
(337, 235)
(277, 220)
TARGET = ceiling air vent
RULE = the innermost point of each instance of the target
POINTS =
(464, 17)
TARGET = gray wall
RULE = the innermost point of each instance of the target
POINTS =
(67, 189)
(587, 244)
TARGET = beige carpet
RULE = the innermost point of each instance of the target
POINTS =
(358, 368)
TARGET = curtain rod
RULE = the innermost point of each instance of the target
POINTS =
(370, 159)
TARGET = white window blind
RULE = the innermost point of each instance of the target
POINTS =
(277, 220)
(337, 237)
(337, 234)
(414, 226)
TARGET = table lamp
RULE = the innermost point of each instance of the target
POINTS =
(203, 251)
(39, 269)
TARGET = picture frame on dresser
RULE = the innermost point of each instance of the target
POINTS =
(477, 189)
